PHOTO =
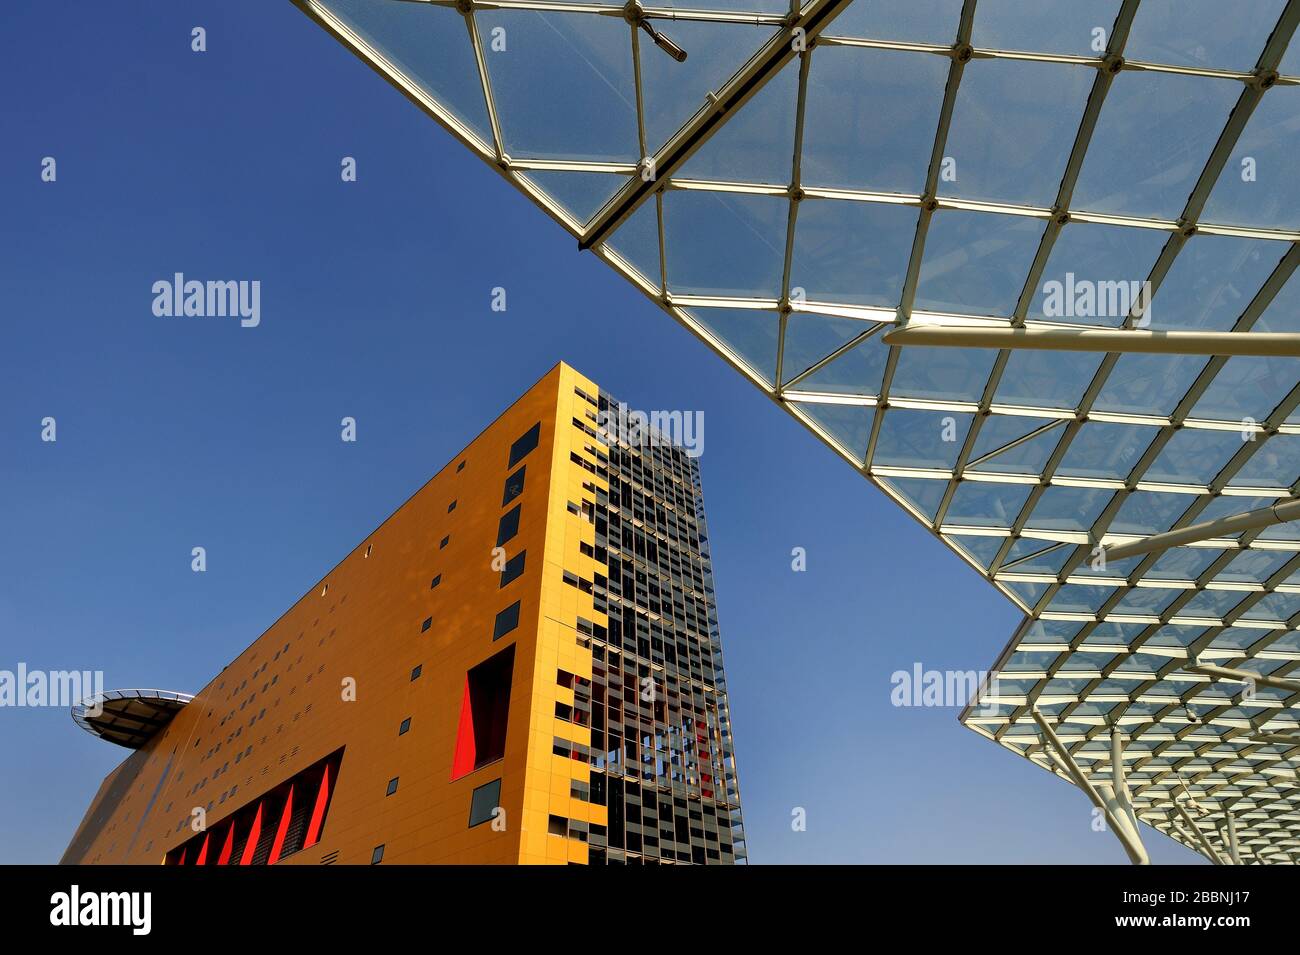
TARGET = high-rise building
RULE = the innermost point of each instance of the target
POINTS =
(521, 665)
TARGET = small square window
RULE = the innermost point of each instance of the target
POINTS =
(557, 826)
(377, 856)
(514, 486)
(514, 567)
(435, 582)
(451, 507)
(415, 673)
(392, 786)
(483, 803)
(508, 526)
(406, 725)
(506, 621)
(527, 441)
(444, 542)
(428, 622)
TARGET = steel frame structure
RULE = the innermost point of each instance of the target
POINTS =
(1074, 677)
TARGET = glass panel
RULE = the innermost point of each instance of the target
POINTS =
(1275, 464)
(858, 371)
(1146, 600)
(1151, 142)
(428, 44)
(920, 21)
(986, 505)
(637, 242)
(1212, 281)
(1076, 598)
(1078, 27)
(1254, 566)
(1068, 508)
(757, 143)
(1047, 559)
(1283, 313)
(850, 425)
(750, 333)
(580, 193)
(1149, 384)
(1104, 450)
(853, 253)
(1211, 603)
(1258, 187)
(1193, 457)
(1247, 388)
(976, 262)
(920, 439)
(1046, 379)
(672, 92)
(982, 550)
(1203, 33)
(587, 63)
(945, 374)
(1035, 109)
(876, 143)
(724, 243)
(1026, 458)
(1095, 274)
(809, 338)
(1149, 512)
(925, 496)
(1183, 563)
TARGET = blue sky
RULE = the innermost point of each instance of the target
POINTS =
(177, 433)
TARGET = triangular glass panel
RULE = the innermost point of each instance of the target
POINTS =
(850, 425)
(925, 496)
(857, 372)
(750, 333)
(1028, 457)
(430, 46)
(580, 194)
(636, 241)
(809, 338)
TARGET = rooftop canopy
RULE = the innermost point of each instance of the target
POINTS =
(128, 718)
(1025, 265)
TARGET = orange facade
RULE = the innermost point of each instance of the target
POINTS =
(398, 631)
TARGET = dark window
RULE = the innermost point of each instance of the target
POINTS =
(392, 786)
(434, 583)
(508, 527)
(428, 622)
(377, 856)
(507, 620)
(460, 467)
(481, 736)
(444, 542)
(451, 507)
(406, 725)
(514, 486)
(415, 674)
(483, 802)
(557, 825)
(519, 450)
(514, 567)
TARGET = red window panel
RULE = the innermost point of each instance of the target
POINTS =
(282, 829)
(318, 811)
(253, 834)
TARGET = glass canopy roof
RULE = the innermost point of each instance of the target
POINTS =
(811, 177)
